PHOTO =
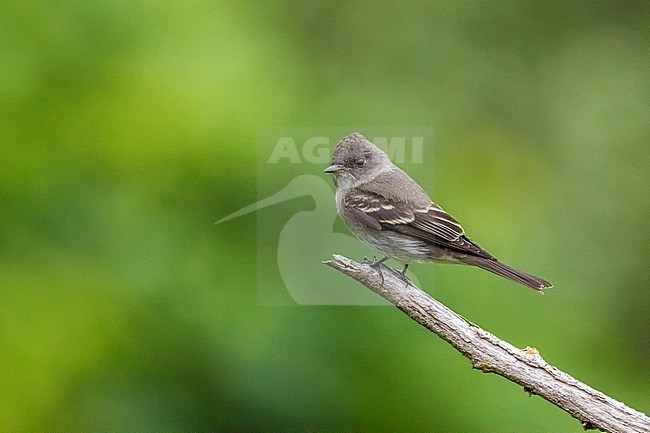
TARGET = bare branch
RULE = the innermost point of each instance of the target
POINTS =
(488, 353)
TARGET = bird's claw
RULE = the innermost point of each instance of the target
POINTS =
(402, 275)
(375, 264)
(374, 261)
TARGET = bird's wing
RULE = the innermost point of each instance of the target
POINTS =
(427, 223)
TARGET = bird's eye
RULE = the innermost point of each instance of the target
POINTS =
(360, 162)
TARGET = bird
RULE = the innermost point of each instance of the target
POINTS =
(390, 212)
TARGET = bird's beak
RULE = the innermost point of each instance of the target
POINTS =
(334, 168)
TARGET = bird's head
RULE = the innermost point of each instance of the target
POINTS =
(356, 160)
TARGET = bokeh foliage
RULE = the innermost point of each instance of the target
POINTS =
(129, 128)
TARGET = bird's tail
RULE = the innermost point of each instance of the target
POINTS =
(496, 267)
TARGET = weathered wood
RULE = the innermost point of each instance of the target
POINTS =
(488, 353)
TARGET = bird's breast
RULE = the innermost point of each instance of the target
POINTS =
(339, 201)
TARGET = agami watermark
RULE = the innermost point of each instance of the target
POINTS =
(318, 150)
(297, 224)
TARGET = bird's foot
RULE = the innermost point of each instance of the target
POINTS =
(402, 274)
(376, 264)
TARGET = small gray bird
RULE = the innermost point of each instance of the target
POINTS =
(390, 212)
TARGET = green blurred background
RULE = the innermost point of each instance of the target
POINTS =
(129, 128)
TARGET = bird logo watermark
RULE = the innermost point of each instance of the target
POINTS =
(297, 222)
